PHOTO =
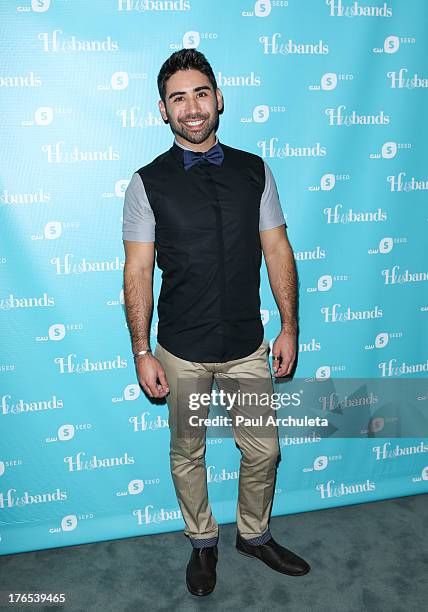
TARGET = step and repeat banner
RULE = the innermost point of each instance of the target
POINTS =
(333, 95)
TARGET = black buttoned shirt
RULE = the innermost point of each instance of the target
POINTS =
(205, 223)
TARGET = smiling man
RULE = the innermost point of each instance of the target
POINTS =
(209, 211)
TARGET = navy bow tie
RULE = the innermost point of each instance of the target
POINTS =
(214, 155)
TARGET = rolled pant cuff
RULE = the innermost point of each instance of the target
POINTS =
(203, 542)
(262, 539)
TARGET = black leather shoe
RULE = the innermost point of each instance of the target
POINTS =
(275, 556)
(201, 570)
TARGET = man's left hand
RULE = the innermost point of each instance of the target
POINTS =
(284, 347)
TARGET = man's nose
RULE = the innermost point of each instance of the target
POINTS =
(192, 106)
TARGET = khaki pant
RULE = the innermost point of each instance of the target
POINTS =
(259, 446)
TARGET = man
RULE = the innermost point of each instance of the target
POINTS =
(209, 210)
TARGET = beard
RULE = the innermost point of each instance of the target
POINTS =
(195, 136)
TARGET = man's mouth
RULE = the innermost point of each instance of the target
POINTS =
(194, 124)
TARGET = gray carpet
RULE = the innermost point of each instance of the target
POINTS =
(364, 557)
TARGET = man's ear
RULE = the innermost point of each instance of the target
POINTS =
(220, 100)
(162, 111)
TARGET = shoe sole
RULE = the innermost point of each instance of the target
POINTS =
(197, 593)
(276, 570)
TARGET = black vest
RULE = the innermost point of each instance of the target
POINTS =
(208, 248)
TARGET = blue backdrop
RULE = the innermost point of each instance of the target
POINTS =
(333, 95)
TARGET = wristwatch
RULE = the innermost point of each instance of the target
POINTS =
(141, 353)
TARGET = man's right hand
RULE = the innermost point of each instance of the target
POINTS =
(149, 369)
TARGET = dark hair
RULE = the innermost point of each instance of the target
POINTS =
(184, 59)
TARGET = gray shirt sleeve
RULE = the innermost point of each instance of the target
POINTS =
(138, 218)
(271, 214)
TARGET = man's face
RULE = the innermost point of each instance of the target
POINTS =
(191, 106)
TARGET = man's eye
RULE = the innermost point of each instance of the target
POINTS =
(203, 93)
(178, 98)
